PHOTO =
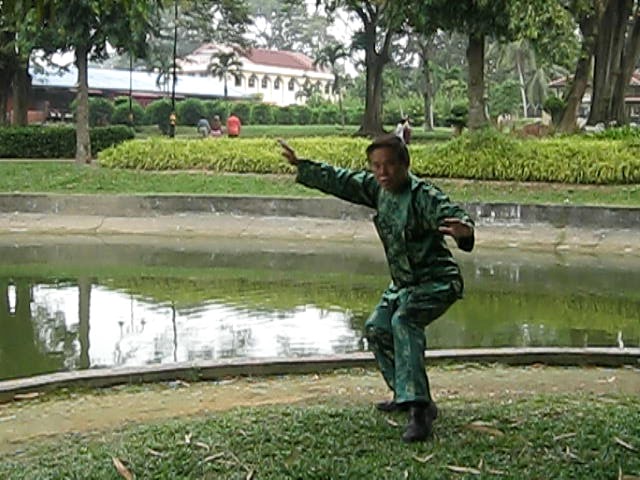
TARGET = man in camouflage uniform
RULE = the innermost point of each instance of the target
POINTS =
(412, 218)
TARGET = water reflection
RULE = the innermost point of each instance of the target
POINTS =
(159, 305)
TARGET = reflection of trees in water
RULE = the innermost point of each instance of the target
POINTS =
(32, 342)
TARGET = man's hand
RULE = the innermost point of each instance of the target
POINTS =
(288, 152)
(456, 228)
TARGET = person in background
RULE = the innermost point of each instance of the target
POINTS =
(233, 125)
(216, 127)
(203, 127)
(403, 130)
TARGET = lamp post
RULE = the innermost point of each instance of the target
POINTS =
(172, 117)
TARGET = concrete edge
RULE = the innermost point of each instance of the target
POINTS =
(207, 370)
(144, 205)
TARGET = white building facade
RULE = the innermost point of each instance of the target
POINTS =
(276, 77)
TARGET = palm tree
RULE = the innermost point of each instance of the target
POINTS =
(222, 64)
(520, 56)
(329, 57)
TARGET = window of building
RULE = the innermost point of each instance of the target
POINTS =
(327, 88)
(252, 81)
(265, 82)
(276, 84)
(238, 80)
(292, 85)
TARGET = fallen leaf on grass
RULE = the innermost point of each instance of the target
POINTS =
(392, 423)
(572, 455)
(624, 444)
(155, 453)
(484, 427)
(563, 436)
(202, 445)
(250, 475)
(122, 470)
(187, 438)
(423, 459)
(457, 469)
(622, 476)
(211, 458)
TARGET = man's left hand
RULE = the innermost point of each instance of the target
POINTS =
(455, 227)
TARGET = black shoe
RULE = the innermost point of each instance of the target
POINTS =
(391, 406)
(420, 426)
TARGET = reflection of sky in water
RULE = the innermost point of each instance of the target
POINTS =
(128, 331)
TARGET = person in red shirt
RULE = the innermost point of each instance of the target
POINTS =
(233, 125)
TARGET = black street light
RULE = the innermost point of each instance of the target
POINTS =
(172, 117)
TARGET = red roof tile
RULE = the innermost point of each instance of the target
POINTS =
(280, 58)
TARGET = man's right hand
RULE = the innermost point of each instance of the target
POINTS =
(288, 153)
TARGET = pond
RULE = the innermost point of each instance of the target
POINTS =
(76, 303)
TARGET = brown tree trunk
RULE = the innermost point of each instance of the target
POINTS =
(83, 140)
(630, 59)
(4, 101)
(21, 87)
(475, 60)
(573, 99)
(427, 93)
(608, 58)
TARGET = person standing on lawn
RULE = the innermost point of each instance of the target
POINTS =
(413, 217)
(234, 125)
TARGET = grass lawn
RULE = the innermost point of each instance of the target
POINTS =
(58, 177)
(291, 131)
(550, 437)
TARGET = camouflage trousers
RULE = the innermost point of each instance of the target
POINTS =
(395, 332)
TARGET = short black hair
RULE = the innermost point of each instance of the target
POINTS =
(393, 142)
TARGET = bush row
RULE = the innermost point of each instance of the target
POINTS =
(103, 112)
(486, 155)
(56, 142)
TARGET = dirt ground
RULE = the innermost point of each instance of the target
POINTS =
(107, 409)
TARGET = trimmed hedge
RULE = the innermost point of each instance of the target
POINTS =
(486, 155)
(56, 142)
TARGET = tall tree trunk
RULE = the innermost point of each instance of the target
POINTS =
(475, 60)
(341, 107)
(372, 119)
(427, 93)
(608, 58)
(573, 99)
(21, 87)
(4, 103)
(630, 59)
(84, 309)
(83, 140)
(523, 89)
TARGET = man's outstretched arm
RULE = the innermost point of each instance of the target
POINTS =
(353, 186)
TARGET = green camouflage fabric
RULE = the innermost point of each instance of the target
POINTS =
(426, 280)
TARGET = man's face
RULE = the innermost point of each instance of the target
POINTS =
(390, 172)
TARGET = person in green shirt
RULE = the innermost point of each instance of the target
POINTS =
(412, 219)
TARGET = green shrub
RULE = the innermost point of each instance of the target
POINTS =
(56, 142)
(121, 113)
(157, 113)
(327, 115)
(302, 114)
(100, 111)
(620, 133)
(285, 116)
(216, 107)
(554, 106)
(484, 155)
(262, 114)
(354, 115)
(242, 111)
(189, 111)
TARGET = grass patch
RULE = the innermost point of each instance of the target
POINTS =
(559, 437)
(29, 177)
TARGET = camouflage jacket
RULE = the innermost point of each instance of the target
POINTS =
(407, 222)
